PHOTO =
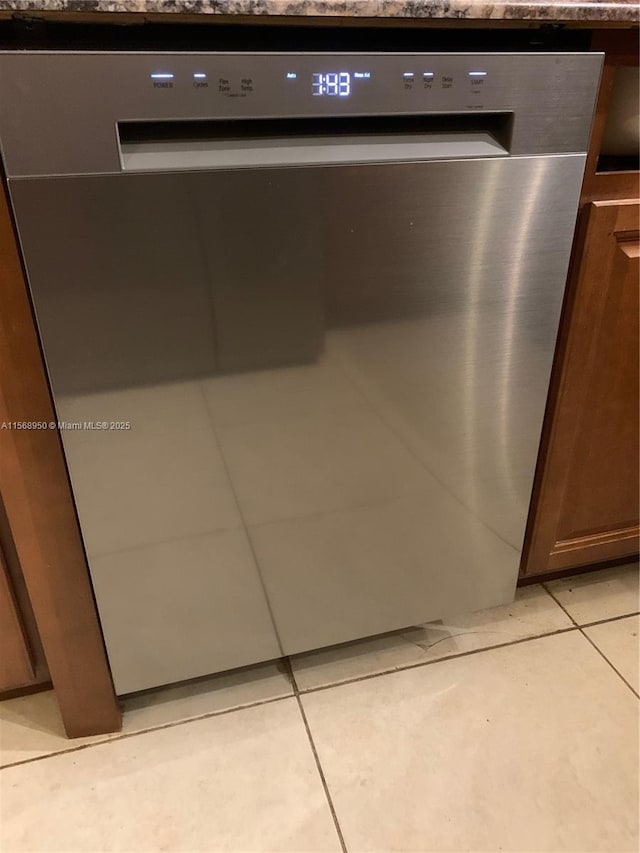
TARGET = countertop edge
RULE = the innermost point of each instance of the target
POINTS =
(476, 10)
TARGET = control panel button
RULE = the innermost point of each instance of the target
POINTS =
(162, 79)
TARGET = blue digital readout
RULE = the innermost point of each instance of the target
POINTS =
(336, 83)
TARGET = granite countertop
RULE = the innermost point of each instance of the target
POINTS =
(620, 11)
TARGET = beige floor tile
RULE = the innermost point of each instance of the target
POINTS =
(599, 595)
(531, 747)
(532, 613)
(618, 642)
(31, 726)
(245, 781)
(360, 658)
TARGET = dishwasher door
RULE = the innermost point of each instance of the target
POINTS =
(334, 377)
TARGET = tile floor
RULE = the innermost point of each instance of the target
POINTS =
(512, 729)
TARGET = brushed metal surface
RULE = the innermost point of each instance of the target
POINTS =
(171, 276)
(302, 404)
(307, 151)
(394, 326)
(551, 94)
(444, 284)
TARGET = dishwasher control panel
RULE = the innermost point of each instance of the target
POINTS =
(332, 81)
(550, 97)
(342, 82)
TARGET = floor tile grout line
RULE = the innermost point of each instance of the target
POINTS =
(316, 757)
(617, 671)
(418, 664)
(336, 823)
(542, 585)
(559, 603)
(610, 619)
(289, 671)
(589, 640)
(118, 736)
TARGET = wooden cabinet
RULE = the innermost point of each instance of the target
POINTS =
(23, 664)
(586, 509)
(16, 669)
(48, 582)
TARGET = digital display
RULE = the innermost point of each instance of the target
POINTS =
(336, 83)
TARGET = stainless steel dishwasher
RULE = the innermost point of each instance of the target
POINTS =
(298, 313)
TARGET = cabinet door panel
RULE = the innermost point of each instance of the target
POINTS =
(587, 501)
(604, 479)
